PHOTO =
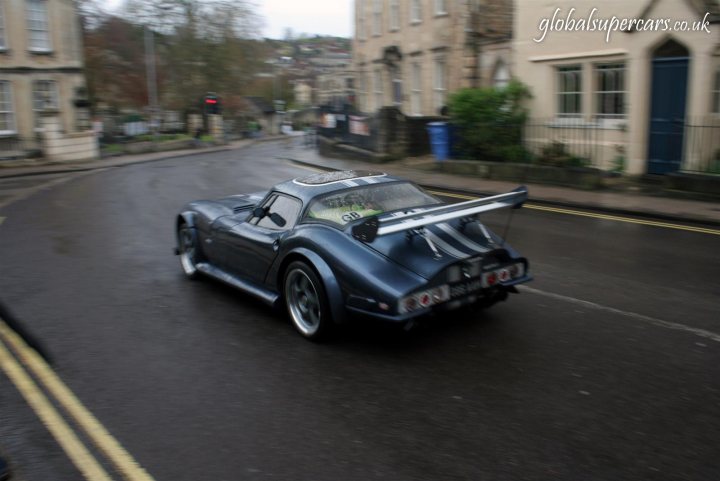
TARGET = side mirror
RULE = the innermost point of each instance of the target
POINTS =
(259, 212)
(278, 219)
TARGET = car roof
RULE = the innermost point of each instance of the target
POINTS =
(307, 188)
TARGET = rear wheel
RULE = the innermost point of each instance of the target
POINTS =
(306, 301)
(189, 250)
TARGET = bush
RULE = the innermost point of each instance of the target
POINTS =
(557, 155)
(490, 122)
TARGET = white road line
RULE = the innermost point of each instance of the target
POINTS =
(640, 317)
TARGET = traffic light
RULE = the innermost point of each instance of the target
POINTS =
(212, 104)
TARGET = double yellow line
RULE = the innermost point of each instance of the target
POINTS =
(616, 218)
(30, 374)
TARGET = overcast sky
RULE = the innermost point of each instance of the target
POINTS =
(324, 17)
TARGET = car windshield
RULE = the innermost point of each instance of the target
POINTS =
(350, 205)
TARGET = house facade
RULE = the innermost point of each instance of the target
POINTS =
(412, 53)
(336, 88)
(645, 76)
(41, 61)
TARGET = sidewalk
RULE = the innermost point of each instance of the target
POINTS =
(677, 210)
(26, 168)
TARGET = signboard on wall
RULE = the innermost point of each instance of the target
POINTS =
(359, 125)
(329, 121)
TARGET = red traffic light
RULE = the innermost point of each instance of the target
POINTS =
(210, 101)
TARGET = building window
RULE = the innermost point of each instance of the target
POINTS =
(37, 24)
(610, 93)
(394, 15)
(416, 90)
(569, 91)
(440, 7)
(416, 11)
(45, 96)
(377, 85)
(377, 17)
(501, 78)
(716, 93)
(440, 85)
(360, 20)
(3, 42)
(396, 73)
(7, 119)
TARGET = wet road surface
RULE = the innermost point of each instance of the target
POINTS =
(605, 368)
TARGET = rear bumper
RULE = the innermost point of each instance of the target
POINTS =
(490, 296)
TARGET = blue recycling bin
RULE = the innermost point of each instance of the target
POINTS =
(439, 139)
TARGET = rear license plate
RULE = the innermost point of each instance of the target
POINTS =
(465, 288)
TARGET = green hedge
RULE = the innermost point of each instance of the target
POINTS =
(489, 122)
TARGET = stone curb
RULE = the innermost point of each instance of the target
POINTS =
(113, 162)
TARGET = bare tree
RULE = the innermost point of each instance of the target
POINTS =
(201, 46)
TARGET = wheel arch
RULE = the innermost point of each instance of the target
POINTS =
(187, 217)
(323, 270)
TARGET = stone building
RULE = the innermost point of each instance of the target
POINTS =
(336, 88)
(41, 61)
(644, 88)
(412, 53)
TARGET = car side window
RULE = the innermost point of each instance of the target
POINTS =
(286, 207)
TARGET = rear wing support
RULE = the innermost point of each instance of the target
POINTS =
(376, 226)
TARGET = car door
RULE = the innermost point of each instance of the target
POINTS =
(254, 245)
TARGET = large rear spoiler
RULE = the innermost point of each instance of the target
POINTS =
(375, 226)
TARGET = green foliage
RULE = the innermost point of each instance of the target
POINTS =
(619, 164)
(557, 155)
(112, 149)
(490, 122)
(160, 137)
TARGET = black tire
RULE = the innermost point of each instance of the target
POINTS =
(188, 250)
(306, 302)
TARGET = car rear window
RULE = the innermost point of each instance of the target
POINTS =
(360, 202)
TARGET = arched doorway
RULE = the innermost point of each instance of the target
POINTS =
(668, 99)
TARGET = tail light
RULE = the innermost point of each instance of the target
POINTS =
(504, 274)
(424, 299)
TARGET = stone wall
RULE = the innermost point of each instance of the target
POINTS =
(58, 146)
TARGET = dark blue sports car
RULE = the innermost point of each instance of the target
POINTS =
(361, 244)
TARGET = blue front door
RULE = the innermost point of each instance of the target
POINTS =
(667, 117)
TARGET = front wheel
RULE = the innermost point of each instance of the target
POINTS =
(306, 301)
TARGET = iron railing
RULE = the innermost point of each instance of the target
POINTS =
(18, 148)
(557, 140)
(598, 143)
(701, 152)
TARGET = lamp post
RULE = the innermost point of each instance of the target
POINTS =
(151, 76)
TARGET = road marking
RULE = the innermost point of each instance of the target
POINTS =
(702, 230)
(641, 317)
(666, 225)
(451, 194)
(54, 422)
(102, 439)
(303, 166)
